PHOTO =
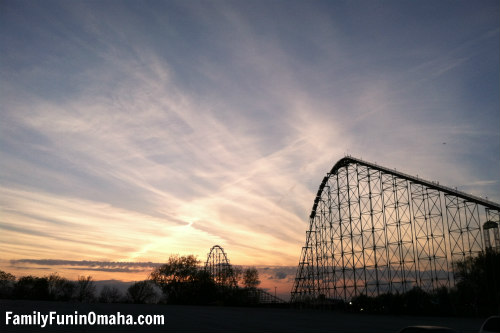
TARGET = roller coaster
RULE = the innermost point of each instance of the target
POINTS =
(219, 268)
(375, 230)
(223, 274)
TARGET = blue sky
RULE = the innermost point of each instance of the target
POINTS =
(132, 130)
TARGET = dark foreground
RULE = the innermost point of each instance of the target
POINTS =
(226, 319)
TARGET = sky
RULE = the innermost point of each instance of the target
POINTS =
(133, 130)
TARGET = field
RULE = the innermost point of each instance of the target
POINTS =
(227, 319)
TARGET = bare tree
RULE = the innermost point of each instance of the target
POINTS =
(251, 278)
(110, 295)
(7, 282)
(60, 289)
(85, 289)
(142, 292)
(238, 272)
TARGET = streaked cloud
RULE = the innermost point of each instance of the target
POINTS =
(103, 266)
(172, 127)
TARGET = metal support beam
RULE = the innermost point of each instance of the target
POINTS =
(374, 230)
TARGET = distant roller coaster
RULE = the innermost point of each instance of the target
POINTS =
(222, 272)
(374, 230)
(219, 268)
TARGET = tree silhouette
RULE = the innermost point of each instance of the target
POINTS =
(85, 289)
(477, 282)
(251, 278)
(183, 281)
(7, 282)
(176, 270)
(142, 292)
(32, 287)
(238, 273)
(60, 289)
(110, 295)
(476, 292)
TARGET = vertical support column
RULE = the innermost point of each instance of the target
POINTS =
(405, 235)
(374, 236)
(365, 279)
(359, 276)
(422, 233)
(429, 237)
(336, 225)
(456, 230)
(492, 228)
(401, 258)
(345, 229)
(383, 268)
(331, 225)
(464, 229)
(303, 288)
(392, 231)
(318, 251)
(321, 252)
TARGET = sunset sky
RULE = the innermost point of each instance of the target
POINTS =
(132, 130)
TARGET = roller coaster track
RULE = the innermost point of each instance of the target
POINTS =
(219, 268)
(375, 230)
(430, 184)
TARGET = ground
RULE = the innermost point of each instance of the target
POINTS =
(228, 319)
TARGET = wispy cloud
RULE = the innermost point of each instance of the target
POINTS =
(132, 136)
(103, 266)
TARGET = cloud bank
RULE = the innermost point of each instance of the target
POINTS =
(103, 266)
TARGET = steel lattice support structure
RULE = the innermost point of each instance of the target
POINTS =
(374, 230)
(219, 268)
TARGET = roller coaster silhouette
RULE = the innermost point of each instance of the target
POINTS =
(374, 230)
(222, 272)
(219, 268)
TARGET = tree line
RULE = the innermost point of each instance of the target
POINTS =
(476, 293)
(56, 288)
(179, 281)
(182, 281)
